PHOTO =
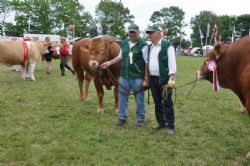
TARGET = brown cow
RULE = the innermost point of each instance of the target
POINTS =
(87, 54)
(12, 53)
(233, 68)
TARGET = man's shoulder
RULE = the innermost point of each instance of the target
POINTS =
(166, 43)
(126, 41)
(142, 42)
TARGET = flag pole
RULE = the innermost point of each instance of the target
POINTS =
(233, 34)
(29, 21)
(208, 33)
(201, 36)
(212, 36)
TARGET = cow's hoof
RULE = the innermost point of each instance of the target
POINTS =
(247, 156)
(33, 79)
(116, 110)
(87, 98)
(100, 110)
(243, 110)
(82, 98)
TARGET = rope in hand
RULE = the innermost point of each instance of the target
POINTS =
(167, 90)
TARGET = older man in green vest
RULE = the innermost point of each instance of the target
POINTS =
(162, 72)
(133, 57)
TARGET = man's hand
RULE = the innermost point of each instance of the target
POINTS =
(105, 65)
(171, 81)
(145, 84)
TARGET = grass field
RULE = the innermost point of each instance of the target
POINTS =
(44, 123)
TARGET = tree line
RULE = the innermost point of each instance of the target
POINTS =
(111, 18)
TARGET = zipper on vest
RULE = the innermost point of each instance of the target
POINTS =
(137, 68)
(127, 68)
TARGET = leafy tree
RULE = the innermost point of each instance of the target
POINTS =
(226, 24)
(92, 29)
(201, 21)
(72, 10)
(243, 25)
(173, 18)
(50, 16)
(113, 16)
(36, 12)
(5, 8)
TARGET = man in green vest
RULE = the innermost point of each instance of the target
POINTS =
(162, 72)
(133, 57)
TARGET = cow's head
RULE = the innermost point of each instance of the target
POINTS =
(99, 50)
(214, 55)
(42, 47)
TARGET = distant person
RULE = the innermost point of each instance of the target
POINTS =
(48, 54)
(228, 42)
(48, 57)
(13, 39)
(47, 40)
(27, 38)
(64, 51)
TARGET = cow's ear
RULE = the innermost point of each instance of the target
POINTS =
(109, 42)
(219, 50)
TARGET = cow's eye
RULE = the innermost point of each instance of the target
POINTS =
(101, 50)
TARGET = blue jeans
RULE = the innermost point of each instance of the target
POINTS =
(125, 85)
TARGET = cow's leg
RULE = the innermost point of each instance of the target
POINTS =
(31, 71)
(248, 110)
(116, 99)
(100, 94)
(23, 71)
(243, 109)
(80, 79)
(248, 104)
(87, 78)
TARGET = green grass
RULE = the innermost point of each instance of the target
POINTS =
(44, 123)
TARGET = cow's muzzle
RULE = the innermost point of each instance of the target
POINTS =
(199, 75)
(93, 64)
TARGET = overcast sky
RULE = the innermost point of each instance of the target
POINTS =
(142, 9)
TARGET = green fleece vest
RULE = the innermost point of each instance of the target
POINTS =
(163, 61)
(136, 70)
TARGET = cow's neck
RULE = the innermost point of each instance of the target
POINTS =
(226, 74)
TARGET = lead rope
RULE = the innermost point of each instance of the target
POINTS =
(167, 90)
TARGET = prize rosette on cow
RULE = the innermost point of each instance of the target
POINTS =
(213, 67)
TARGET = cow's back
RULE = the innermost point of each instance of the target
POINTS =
(11, 52)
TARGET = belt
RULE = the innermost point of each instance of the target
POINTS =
(154, 77)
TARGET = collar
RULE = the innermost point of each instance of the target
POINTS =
(130, 42)
(158, 43)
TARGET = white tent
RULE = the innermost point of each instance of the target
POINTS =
(196, 51)
(207, 49)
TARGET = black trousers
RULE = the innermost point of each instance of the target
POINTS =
(64, 63)
(164, 109)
